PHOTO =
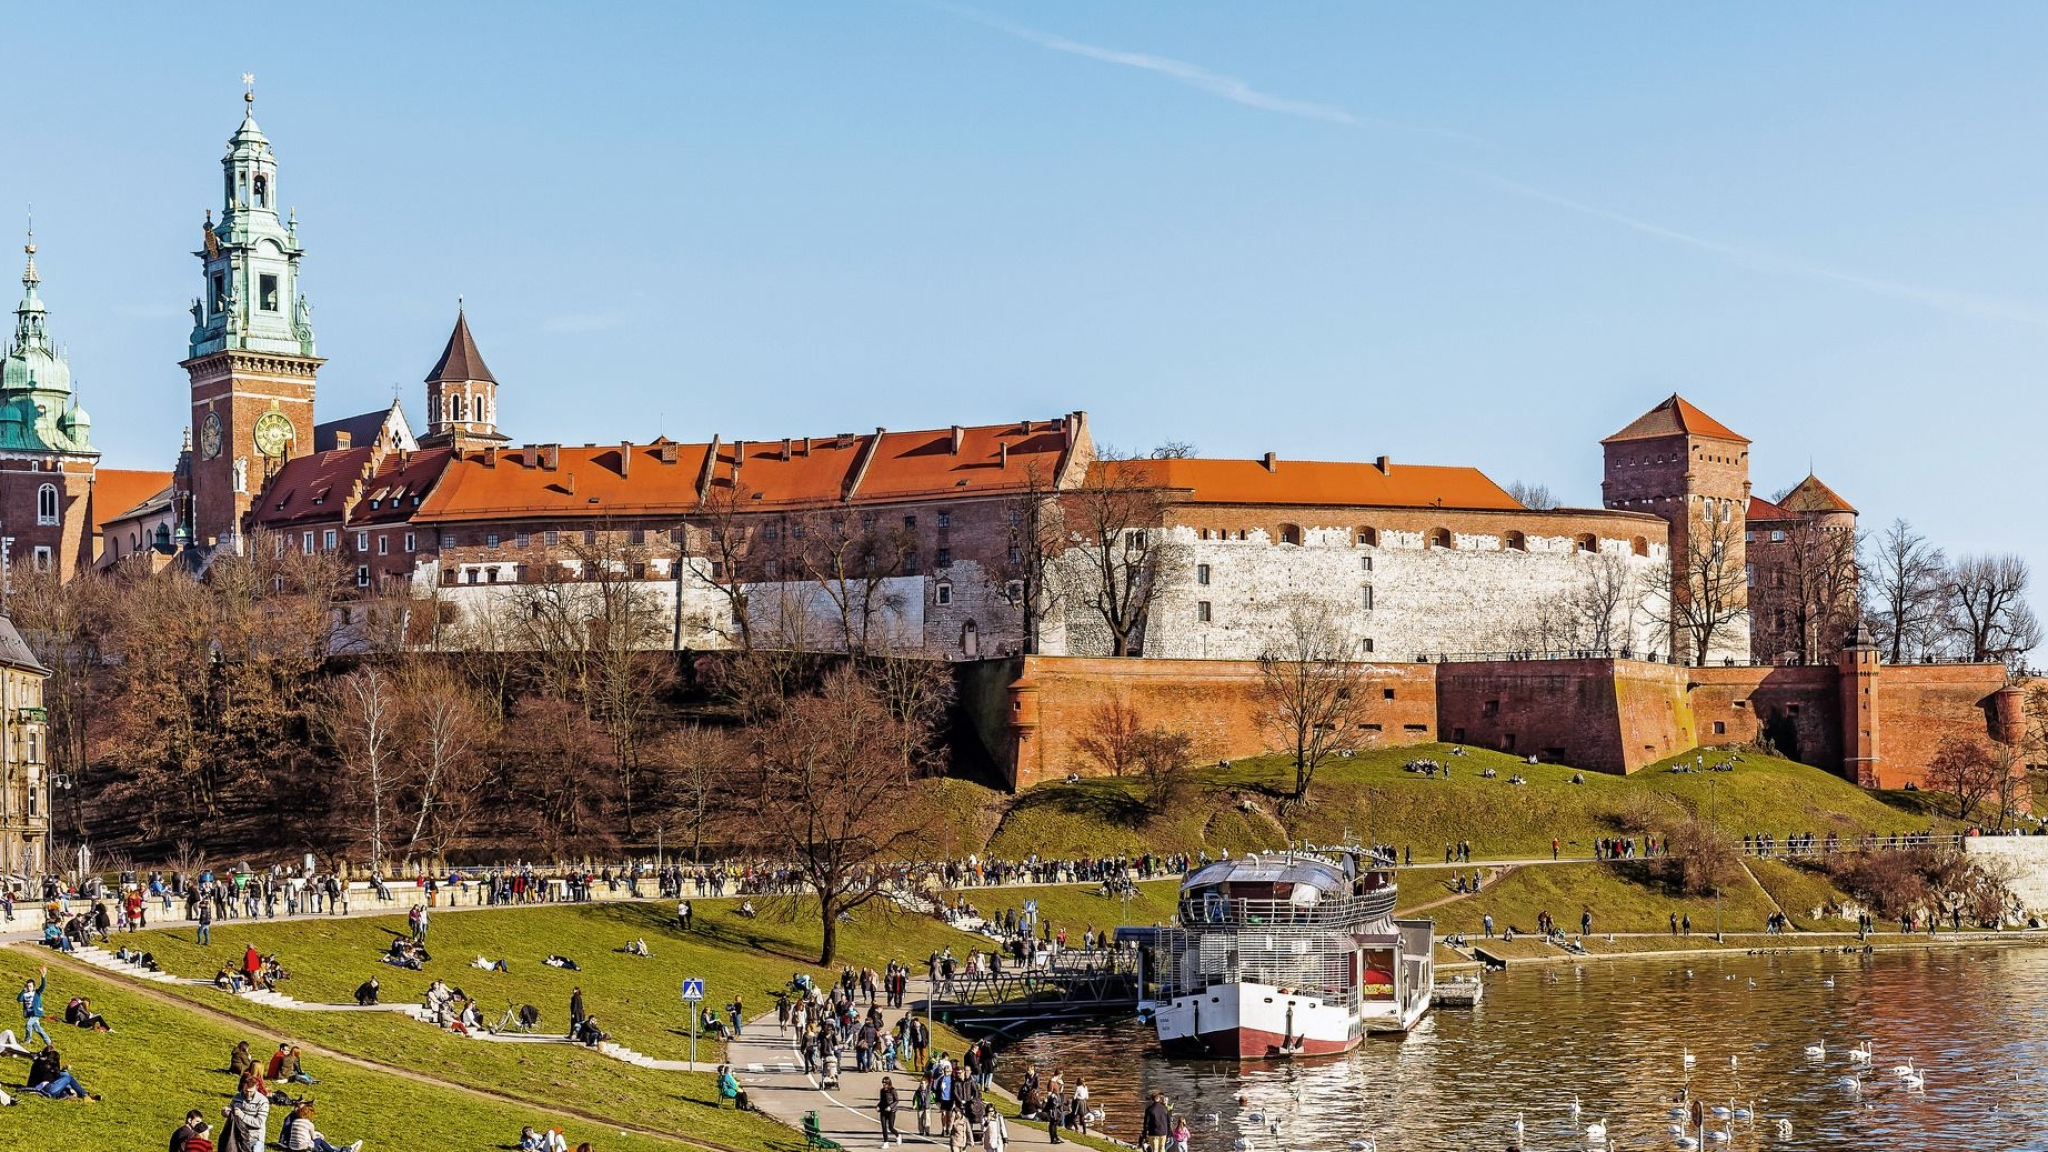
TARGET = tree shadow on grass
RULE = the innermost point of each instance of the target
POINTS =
(1104, 801)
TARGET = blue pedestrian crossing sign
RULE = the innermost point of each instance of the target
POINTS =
(693, 989)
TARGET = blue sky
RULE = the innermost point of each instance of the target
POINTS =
(1456, 233)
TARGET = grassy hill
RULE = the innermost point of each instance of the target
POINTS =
(1370, 796)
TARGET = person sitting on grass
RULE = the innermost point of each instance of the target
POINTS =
(247, 1117)
(300, 1135)
(366, 992)
(636, 948)
(554, 961)
(548, 1141)
(10, 1046)
(489, 965)
(228, 980)
(589, 1034)
(240, 1062)
(405, 954)
(54, 937)
(195, 1122)
(199, 1139)
(79, 1014)
(49, 1076)
(469, 1021)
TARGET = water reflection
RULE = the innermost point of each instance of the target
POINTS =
(1614, 1034)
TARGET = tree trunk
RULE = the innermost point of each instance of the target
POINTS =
(828, 946)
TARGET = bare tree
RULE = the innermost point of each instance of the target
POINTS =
(919, 695)
(1602, 609)
(1165, 759)
(1989, 617)
(1967, 768)
(851, 560)
(359, 714)
(1310, 692)
(831, 795)
(1115, 522)
(444, 726)
(1535, 496)
(698, 764)
(1037, 539)
(1111, 735)
(1709, 589)
(1803, 604)
(1907, 592)
(725, 547)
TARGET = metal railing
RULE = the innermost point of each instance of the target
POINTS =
(1219, 911)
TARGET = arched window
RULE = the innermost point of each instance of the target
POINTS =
(970, 640)
(1639, 546)
(1441, 538)
(1516, 542)
(1587, 543)
(1290, 534)
(262, 191)
(455, 408)
(480, 410)
(1369, 537)
(46, 504)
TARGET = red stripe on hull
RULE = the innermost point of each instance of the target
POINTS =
(1258, 1044)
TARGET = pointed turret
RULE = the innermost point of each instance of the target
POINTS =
(35, 379)
(462, 395)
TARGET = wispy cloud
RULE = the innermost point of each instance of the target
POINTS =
(1230, 88)
(1774, 264)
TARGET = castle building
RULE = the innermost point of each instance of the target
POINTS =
(1802, 574)
(24, 758)
(251, 354)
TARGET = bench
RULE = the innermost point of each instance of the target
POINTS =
(815, 1138)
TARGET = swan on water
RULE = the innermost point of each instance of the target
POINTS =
(1717, 1135)
(1916, 1082)
(1685, 1058)
(1518, 1127)
(1363, 1146)
(1210, 1118)
(1745, 1113)
(1851, 1084)
(1784, 1129)
(1575, 1104)
(1242, 1144)
(1256, 1118)
(1735, 1061)
(1828, 983)
(1860, 1054)
(1718, 1110)
(1596, 1132)
(1903, 1070)
(1817, 1050)
(1686, 1142)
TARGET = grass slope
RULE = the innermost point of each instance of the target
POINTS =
(161, 1060)
(1622, 898)
(1370, 797)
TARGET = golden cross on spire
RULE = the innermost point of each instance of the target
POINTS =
(248, 87)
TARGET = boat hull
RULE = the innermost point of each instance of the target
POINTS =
(1255, 1022)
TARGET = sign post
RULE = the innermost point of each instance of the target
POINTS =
(693, 994)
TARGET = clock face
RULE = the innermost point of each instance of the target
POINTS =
(273, 433)
(210, 436)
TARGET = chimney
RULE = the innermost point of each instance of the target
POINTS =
(569, 483)
(807, 445)
(958, 438)
(625, 458)
(787, 444)
(529, 457)
(491, 457)
(1270, 463)
(551, 456)
(1386, 468)
(739, 453)
(343, 440)
(666, 452)
(1003, 454)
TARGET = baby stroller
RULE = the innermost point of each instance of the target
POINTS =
(828, 1076)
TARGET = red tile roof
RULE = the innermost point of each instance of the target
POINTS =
(1320, 482)
(1810, 495)
(460, 360)
(313, 488)
(118, 491)
(763, 474)
(1675, 417)
(401, 484)
(1762, 509)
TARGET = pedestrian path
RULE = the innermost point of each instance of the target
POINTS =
(770, 1069)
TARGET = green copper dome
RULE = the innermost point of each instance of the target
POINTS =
(39, 414)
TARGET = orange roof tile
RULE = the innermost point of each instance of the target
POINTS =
(401, 484)
(117, 491)
(1810, 495)
(1762, 509)
(1320, 482)
(991, 458)
(1675, 417)
(510, 483)
(313, 488)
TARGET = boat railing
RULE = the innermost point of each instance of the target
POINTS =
(1374, 905)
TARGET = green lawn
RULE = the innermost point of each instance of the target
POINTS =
(1078, 907)
(1623, 898)
(162, 1059)
(1370, 797)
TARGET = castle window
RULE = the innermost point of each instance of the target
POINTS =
(1386, 693)
(455, 408)
(490, 539)
(42, 557)
(1369, 537)
(1366, 645)
(1290, 534)
(1202, 614)
(306, 545)
(910, 523)
(220, 291)
(383, 545)
(408, 542)
(1440, 538)
(1365, 563)
(1587, 543)
(46, 504)
(771, 569)
(1201, 573)
(943, 592)
(1016, 554)
(362, 541)
(1366, 597)
(1777, 536)
(362, 575)
(266, 292)
(945, 558)
(480, 409)
(328, 539)
(945, 519)
(1517, 542)
(521, 539)
(262, 191)
(1639, 546)
(551, 538)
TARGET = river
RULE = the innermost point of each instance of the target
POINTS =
(1613, 1034)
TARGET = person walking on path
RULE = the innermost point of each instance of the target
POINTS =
(1158, 1123)
(1050, 1113)
(575, 1010)
(31, 998)
(205, 924)
(957, 1133)
(885, 1110)
(995, 1132)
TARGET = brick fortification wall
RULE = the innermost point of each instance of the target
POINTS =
(1612, 716)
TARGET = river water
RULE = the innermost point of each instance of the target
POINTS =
(1613, 1034)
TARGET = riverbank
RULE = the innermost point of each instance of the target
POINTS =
(1530, 950)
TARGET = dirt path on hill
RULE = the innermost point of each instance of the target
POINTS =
(1454, 897)
(142, 988)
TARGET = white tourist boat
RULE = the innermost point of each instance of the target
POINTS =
(1289, 954)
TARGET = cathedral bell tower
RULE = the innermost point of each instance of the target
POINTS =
(251, 358)
(462, 395)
